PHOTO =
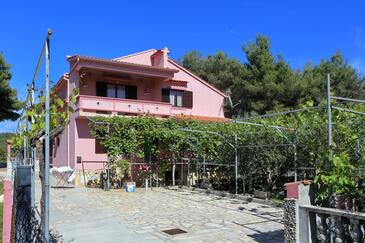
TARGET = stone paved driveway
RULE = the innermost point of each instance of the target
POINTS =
(92, 215)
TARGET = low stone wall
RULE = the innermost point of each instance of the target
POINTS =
(247, 198)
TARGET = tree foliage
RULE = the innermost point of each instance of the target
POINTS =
(265, 82)
(8, 96)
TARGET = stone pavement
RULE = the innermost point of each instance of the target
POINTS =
(93, 215)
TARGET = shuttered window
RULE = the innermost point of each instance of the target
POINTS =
(116, 91)
(178, 98)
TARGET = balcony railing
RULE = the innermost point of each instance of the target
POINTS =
(96, 103)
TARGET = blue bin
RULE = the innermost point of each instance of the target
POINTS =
(130, 187)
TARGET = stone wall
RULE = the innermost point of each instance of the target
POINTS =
(289, 220)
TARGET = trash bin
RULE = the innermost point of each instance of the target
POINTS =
(130, 186)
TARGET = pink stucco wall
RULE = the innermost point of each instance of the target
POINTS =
(85, 147)
(206, 101)
(60, 151)
(140, 58)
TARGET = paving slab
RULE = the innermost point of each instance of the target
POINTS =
(93, 215)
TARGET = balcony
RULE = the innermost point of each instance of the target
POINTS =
(114, 106)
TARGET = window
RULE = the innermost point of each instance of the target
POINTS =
(110, 91)
(116, 91)
(120, 91)
(178, 98)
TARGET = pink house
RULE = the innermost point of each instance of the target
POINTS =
(148, 82)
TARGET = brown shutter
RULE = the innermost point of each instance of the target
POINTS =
(101, 89)
(166, 95)
(188, 99)
(131, 92)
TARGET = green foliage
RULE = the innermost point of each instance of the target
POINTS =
(262, 168)
(340, 177)
(8, 96)
(3, 138)
(123, 165)
(59, 117)
(266, 82)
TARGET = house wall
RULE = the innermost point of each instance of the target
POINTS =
(206, 101)
(85, 147)
(60, 152)
(141, 58)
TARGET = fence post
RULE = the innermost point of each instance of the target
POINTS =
(299, 223)
(303, 227)
(306, 222)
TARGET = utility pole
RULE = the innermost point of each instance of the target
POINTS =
(33, 151)
(25, 139)
(47, 142)
(236, 161)
(295, 163)
(329, 112)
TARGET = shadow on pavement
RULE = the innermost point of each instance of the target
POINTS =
(275, 236)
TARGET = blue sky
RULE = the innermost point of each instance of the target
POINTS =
(301, 31)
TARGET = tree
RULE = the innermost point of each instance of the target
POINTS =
(346, 81)
(8, 96)
(219, 69)
(266, 82)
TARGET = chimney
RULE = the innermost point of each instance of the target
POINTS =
(165, 51)
(160, 58)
